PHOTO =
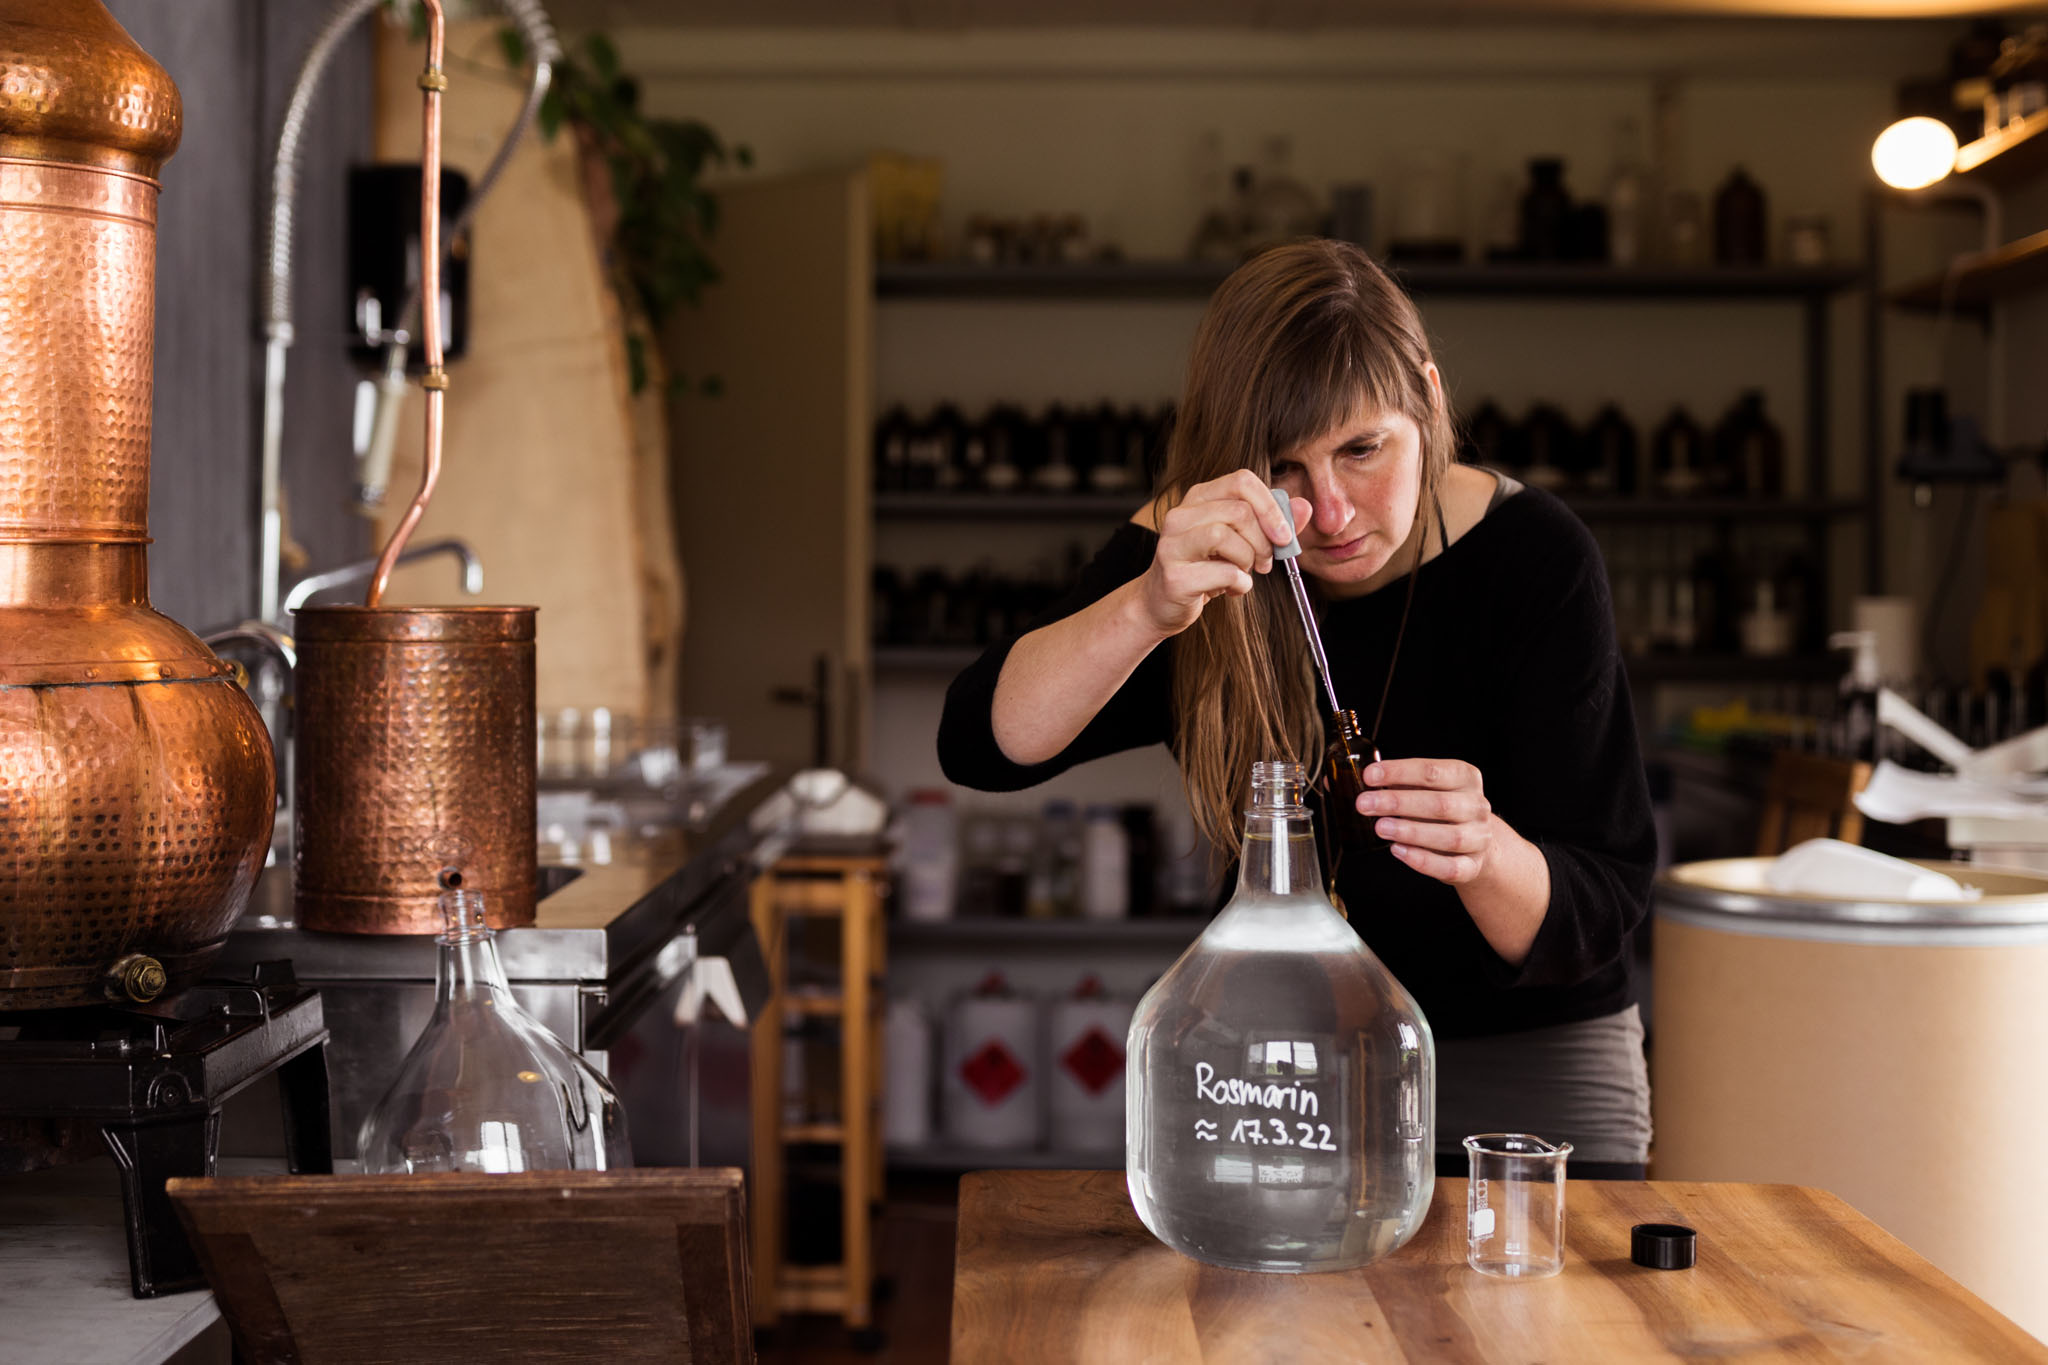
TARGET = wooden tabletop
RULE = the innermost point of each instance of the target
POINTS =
(1053, 1266)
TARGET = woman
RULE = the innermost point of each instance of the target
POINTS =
(1469, 613)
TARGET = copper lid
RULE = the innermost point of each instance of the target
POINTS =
(423, 625)
(75, 87)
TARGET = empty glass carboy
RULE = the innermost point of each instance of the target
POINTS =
(487, 1087)
(1280, 1084)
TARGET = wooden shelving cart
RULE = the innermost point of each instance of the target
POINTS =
(847, 884)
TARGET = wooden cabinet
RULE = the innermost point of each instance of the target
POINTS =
(770, 470)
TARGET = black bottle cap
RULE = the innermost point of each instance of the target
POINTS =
(1662, 1246)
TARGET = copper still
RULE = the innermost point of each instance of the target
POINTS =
(416, 746)
(136, 783)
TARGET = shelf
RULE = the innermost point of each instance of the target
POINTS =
(1982, 278)
(949, 659)
(799, 1003)
(943, 1158)
(1006, 506)
(1698, 509)
(2010, 155)
(814, 1132)
(1196, 280)
(1091, 507)
(924, 658)
(1176, 932)
(1708, 668)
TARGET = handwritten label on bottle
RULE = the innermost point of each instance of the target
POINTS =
(1260, 1130)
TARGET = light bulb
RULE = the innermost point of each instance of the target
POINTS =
(1914, 153)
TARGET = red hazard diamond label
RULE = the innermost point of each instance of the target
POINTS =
(1094, 1060)
(992, 1072)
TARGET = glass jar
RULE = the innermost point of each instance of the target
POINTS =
(1280, 1084)
(487, 1087)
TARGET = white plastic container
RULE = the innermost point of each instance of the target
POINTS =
(1085, 1035)
(907, 1093)
(1105, 865)
(994, 1084)
(928, 860)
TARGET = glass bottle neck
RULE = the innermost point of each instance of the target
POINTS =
(470, 970)
(1278, 858)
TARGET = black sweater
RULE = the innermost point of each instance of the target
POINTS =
(1510, 664)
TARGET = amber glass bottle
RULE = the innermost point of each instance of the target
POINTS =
(1349, 754)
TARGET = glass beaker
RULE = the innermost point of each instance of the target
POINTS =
(1514, 1209)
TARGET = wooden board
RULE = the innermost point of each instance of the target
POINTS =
(646, 1265)
(1054, 1265)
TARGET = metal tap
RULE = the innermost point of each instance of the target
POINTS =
(263, 635)
(363, 570)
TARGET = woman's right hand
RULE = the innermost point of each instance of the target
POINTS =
(1210, 545)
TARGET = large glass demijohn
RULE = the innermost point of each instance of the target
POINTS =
(1281, 1084)
(487, 1087)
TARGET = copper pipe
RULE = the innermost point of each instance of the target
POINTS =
(432, 82)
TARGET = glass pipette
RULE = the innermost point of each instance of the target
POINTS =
(1286, 555)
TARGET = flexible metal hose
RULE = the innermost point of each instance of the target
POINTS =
(543, 51)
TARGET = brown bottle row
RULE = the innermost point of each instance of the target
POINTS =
(1120, 450)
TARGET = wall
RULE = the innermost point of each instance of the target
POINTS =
(233, 61)
(1107, 122)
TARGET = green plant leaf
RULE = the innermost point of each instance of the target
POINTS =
(636, 361)
(604, 57)
(657, 255)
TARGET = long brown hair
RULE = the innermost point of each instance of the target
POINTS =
(1298, 339)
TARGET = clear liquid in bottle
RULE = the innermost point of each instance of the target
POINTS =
(1280, 1083)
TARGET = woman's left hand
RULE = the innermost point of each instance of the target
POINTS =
(1435, 813)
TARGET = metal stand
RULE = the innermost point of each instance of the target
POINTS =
(153, 1081)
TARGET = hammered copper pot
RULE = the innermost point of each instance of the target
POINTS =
(415, 757)
(136, 785)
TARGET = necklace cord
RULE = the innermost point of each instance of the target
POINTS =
(1407, 604)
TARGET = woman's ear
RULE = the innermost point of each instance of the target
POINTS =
(1436, 385)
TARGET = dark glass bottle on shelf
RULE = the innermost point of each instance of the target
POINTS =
(1677, 456)
(974, 445)
(1713, 601)
(1552, 447)
(892, 450)
(1141, 870)
(1108, 471)
(1741, 232)
(945, 433)
(1056, 472)
(1749, 451)
(1586, 232)
(1005, 470)
(1799, 595)
(1546, 212)
(1158, 440)
(1611, 454)
(921, 468)
(1486, 435)
(886, 596)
